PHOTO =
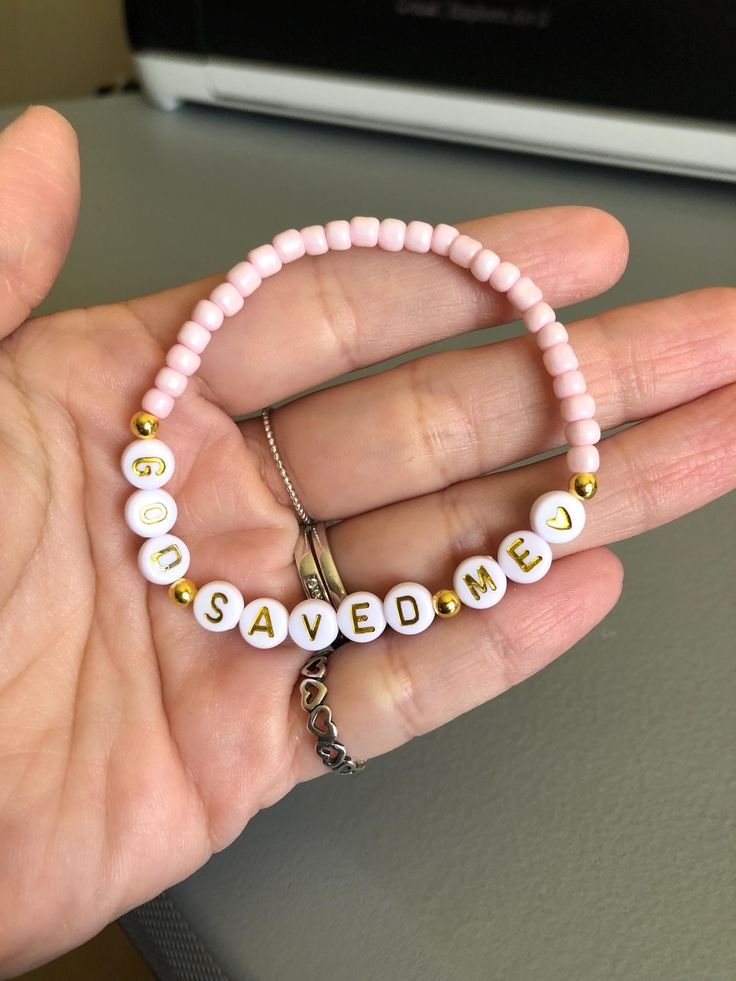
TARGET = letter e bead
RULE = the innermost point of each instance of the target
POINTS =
(360, 617)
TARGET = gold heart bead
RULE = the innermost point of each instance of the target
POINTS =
(313, 693)
(561, 520)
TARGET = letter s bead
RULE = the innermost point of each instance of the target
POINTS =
(218, 606)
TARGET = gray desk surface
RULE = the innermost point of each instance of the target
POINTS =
(590, 838)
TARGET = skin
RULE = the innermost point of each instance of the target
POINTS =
(132, 743)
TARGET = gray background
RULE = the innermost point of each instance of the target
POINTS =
(580, 826)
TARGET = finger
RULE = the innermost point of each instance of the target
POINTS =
(323, 316)
(650, 474)
(429, 423)
(384, 693)
(39, 203)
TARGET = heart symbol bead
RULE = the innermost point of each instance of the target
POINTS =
(333, 754)
(316, 667)
(322, 715)
(561, 520)
(313, 693)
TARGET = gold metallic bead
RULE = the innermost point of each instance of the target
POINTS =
(446, 603)
(583, 485)
(144, 425)
(182, 592)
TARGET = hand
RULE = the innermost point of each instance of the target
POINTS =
(132, 743)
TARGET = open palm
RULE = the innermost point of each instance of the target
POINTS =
(132, 743)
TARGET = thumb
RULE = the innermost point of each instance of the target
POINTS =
(39, 203)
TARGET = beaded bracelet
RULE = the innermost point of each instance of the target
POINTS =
(524, 556)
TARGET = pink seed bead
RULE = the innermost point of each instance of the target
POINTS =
(463, 250)
(183, 359)
(315, 240)
(171, 382)
(559, 359)
(208, 314)
(484, 264)
(392, 235)
(289, 245)
(338, 235)
(583, 459)
(504, 277)
(266, 260)
(418, 236)
(538, 316)
(524, 294)
(227, 298)
(194, 336)
(158, 403)
(584, 432)
(364, 232)
(442, 238)
(245, 278)
(550, 335)
(571, 383)
(577, 407)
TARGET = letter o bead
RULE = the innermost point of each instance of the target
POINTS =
(313, 624)
(147, 463)
(408, 608)
(480, 582)
(264, 623)
(163, 559)
(218, 606)
(558, 517)
(150, 512)
(360, 617)
(524, 557)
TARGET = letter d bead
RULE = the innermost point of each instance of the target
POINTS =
(408, 608)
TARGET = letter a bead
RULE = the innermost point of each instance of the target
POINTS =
(558, 517)
(524, 556)
(313, 624)
(264, 623)
(480, 582)
(218, 606)
(408, 608)
(360, 617)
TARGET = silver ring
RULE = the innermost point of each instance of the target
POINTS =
(313, 691)
(298, 506)
(331, 581)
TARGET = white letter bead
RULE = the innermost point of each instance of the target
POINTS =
(524, 556)
(360, 617)
(164, 559)
(148, 463)
(264, 623)
(408, 608)
(313, 624)
(150, 512)
(558, 517)
(218, 606)
(480, 582)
